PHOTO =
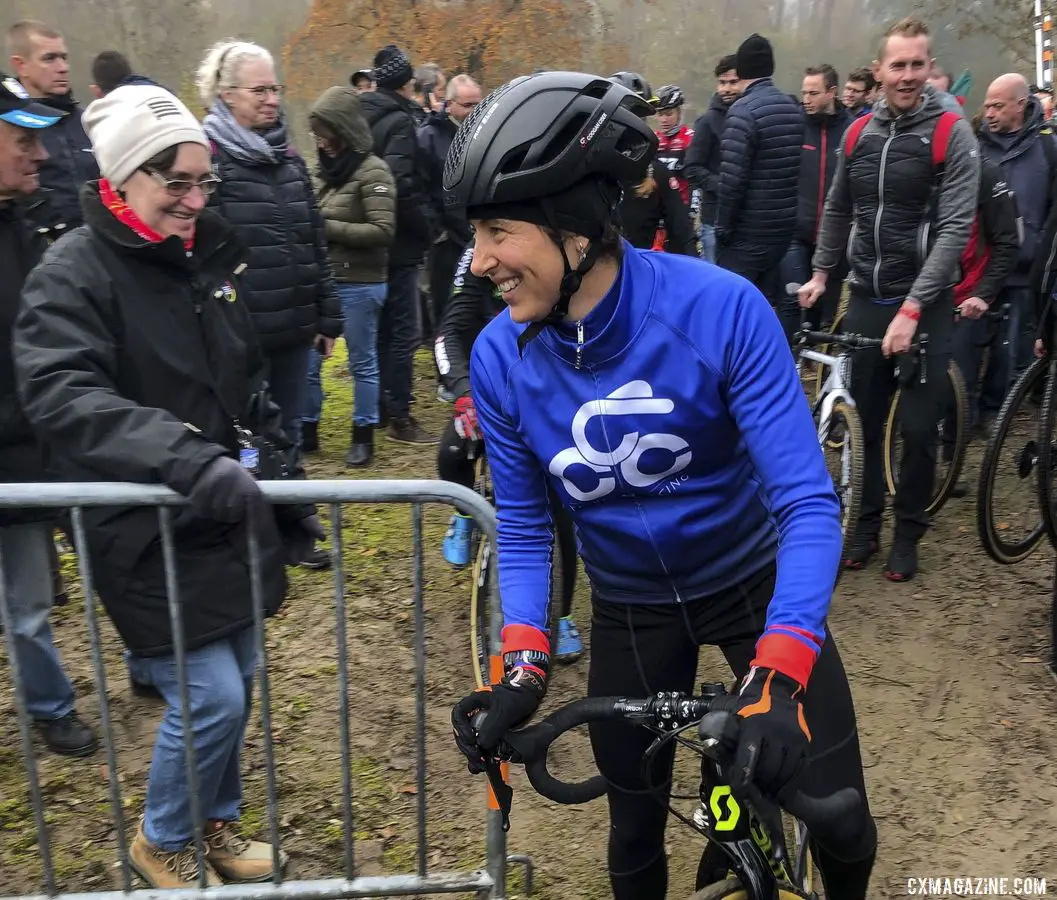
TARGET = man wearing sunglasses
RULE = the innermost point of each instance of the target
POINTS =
(25, 535)
(435, 137)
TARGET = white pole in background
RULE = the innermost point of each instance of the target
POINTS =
(1039, 78)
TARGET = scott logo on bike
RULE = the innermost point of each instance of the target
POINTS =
(632, 399)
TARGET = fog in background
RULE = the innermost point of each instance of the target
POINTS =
(319, 42)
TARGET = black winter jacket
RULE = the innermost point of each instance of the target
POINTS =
(288, 286)
(703, 157)
(640, 217)
(56, 207)
(21, 458)
(392, 122)
(434, 139)
(818, 162)
(756, 206)
(473, 304)
(133, 358)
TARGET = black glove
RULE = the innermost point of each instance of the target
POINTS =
(773, 739)
(224, 491)
(299, 538)
(506, 706)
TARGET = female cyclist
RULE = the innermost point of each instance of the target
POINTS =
(653, 214)
(474, 302)
(655, 394)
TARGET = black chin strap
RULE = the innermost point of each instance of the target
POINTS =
(570, 283)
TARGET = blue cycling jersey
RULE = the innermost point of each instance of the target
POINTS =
(672, 424)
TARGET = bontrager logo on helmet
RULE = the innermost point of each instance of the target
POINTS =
(590, 136)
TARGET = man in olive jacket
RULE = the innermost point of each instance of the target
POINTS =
(357, 197)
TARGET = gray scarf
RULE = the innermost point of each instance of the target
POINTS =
(244, 144)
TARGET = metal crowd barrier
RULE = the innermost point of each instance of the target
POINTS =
(488, 883)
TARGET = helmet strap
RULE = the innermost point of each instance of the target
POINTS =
(571, 280)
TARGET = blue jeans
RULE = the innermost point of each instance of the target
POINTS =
(220, 688)
(707, 234)
(30, 595)
(361, 305)
(287, 374)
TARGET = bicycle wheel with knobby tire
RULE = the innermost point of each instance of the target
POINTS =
(1008, 518)
(731, 889)
(845, 465)
(1047, 454)
(952, 437)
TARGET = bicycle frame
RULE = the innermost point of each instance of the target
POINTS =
(833, 389)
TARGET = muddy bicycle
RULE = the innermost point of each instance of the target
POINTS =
(748, 832)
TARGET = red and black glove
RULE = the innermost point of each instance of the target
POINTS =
(773, 739)
(507, 704)
(466, 419)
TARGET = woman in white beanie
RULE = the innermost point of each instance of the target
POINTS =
(137, 361)
(267, 195)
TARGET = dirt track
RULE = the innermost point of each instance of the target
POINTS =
(955, 708)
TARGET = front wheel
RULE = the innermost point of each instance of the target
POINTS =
(953, 438)
(844, 460)
(731, 889)
(1008, 518)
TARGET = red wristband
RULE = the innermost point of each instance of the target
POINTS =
(910, 313)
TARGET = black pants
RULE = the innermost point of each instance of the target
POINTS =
(873, 383)
(454, 464)
(397, 331)
(638, 650)
(796, 269)
(766, 273)
(443, 261)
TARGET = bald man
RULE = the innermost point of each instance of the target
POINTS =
(1016, 137)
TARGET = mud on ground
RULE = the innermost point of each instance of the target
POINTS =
(956, 713)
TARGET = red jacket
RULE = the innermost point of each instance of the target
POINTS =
(671, 153)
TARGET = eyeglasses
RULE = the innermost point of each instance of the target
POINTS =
(263, 90)
(181, 187)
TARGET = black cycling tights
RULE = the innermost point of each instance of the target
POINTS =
(454, 464)
(638, 650)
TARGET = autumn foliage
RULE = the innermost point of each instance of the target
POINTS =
(493, 40)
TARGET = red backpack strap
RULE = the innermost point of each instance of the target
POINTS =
(941, 137)
(854, 130)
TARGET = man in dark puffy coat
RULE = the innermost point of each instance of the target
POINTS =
(25, 534)
(703, 156)
(825, 121)
(757, 201)
(40, 60)
(390, 111)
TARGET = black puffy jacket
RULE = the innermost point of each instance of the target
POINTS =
(56, 207)
(757, 200)
(703, 156)
(133, 358)
(818, 162)
(434, 139)
(21, 459)
(288, 286)
(392, 121)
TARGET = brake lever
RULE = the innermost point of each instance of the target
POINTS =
(503, 793)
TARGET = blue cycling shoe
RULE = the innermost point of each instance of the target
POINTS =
(457, 541)
(570, 647)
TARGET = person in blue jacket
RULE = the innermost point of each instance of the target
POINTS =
(655, 394)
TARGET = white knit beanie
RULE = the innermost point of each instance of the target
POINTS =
(133, 124)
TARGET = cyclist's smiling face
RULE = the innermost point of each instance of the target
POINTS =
(903, 71)
(523, 262)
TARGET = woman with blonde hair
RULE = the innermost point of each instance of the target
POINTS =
(266, 194)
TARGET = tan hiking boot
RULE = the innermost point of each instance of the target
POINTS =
(167, 869)
(237, 859)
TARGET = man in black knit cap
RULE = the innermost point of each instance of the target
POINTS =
(757, 199)
(390, 111)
